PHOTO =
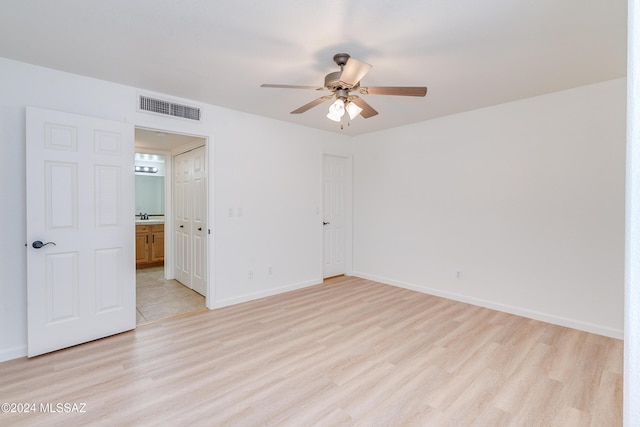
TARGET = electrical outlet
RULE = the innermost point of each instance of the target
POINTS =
(459, 275)
(250, 274)
(270, 271)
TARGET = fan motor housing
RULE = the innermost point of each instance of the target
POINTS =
(332, 80)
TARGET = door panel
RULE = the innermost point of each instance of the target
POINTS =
(182, 168)
(80, 197)
(190, 186)
(109, 283)
(61, 202)
(334, 221)
(107, 185)
(61, 287)
(199, 223)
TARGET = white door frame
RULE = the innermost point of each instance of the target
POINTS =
(348, 208)
(168, 200)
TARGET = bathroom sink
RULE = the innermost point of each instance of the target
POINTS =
(150, 221)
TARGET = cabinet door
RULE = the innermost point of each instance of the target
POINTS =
(157, 243)
(142, 245)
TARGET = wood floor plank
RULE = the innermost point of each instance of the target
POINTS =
(349, 352)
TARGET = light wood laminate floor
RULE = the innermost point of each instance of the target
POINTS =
(158, 298)
(349, 352)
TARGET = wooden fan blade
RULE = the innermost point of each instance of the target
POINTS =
(311, 104)
(292, 86)
(394, 90)
(353, 72)
(367, 110)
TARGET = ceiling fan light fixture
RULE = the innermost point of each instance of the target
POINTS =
(336, 110)
(334, 117)
(353, 110)
(342, 83)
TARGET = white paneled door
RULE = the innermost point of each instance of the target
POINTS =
(80, 228)
(190, 189)
(183, 171)
(335, 215)
(199, 223)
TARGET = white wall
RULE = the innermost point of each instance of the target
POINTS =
(268, 198)
(525, 200)
(270, 169)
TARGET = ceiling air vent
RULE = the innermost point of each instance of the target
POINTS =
(159, 106)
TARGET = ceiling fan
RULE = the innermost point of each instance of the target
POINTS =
(343, 84)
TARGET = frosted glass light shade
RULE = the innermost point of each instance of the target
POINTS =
(336, 110)
(353, 110)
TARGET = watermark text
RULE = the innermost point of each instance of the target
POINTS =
(48, 407)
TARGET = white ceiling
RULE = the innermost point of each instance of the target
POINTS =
(470, 53)
(151, 141)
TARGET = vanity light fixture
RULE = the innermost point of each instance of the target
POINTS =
(146, 169)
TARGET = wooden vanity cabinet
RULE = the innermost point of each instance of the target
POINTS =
(149, 245)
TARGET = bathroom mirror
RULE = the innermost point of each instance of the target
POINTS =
(150, 194)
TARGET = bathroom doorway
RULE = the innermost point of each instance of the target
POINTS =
(159, 295)
(158, 298)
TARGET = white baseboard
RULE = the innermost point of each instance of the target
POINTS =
(519, 311)
(266, 293)
(13, 353)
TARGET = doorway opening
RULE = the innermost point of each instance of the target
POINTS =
(163, 248)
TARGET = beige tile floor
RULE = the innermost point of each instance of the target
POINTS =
(157, 298)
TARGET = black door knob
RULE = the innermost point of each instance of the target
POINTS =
(38, 244)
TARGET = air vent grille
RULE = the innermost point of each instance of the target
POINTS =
(159, 106)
